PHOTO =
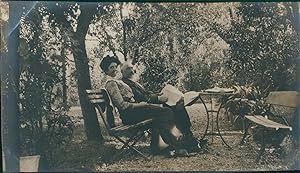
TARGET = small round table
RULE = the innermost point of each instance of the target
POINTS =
(212, 93)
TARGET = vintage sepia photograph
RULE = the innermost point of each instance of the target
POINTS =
(149, 86)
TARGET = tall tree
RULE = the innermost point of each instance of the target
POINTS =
(82, 71)
(123, 21)
(78, 34)
(263, 46)
(164, 39)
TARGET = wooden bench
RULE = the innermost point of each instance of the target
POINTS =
(273, 127)
(128, 135)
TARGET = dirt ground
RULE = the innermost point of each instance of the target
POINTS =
(80, 155)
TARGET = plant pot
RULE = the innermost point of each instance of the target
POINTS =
(27, 163)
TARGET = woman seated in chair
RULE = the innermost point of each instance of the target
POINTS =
(132, 112)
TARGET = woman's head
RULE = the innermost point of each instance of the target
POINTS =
(109, 65)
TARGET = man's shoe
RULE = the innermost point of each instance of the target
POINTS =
(195, 149)
(180, 153)
(204, 145)
(203, 142)
(165, 151)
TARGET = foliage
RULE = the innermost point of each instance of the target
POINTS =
(3, 24)
(77, 17)
(198, 77)
(163, 33)
(64, 20)
(246, 100)
(159, 74)
(45, 125)
(156, 33)
(264, 47)
(3, 43)
(259, 43)
(106, 28)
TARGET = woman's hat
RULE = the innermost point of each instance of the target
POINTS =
(107, 60)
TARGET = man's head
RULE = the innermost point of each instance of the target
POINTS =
(127, 70)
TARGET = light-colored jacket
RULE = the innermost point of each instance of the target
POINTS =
(121, 94)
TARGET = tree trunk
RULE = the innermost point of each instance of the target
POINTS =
(91, 123)
(64, 80)
(87, 10)
(124, 33)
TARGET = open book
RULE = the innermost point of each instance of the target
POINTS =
(174, 95)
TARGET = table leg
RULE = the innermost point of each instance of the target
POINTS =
(213, 111)
(218, 129)
(207, 115)
(212, 119)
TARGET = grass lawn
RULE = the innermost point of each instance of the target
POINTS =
(81, 155)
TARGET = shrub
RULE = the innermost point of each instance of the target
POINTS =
(246, 100)
(157, 74)
(197, 77)
(45, 125)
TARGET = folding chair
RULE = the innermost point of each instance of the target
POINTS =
(272, 128)
(132, 133)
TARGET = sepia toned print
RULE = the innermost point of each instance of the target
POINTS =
(231, 66)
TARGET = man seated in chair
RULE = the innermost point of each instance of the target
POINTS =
(182, 119)
(132, 112)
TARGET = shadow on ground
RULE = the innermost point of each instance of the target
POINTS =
(81, 155)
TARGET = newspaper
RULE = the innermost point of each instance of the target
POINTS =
(174, 95)
(190, 97)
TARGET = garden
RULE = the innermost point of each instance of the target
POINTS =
(50, 55)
